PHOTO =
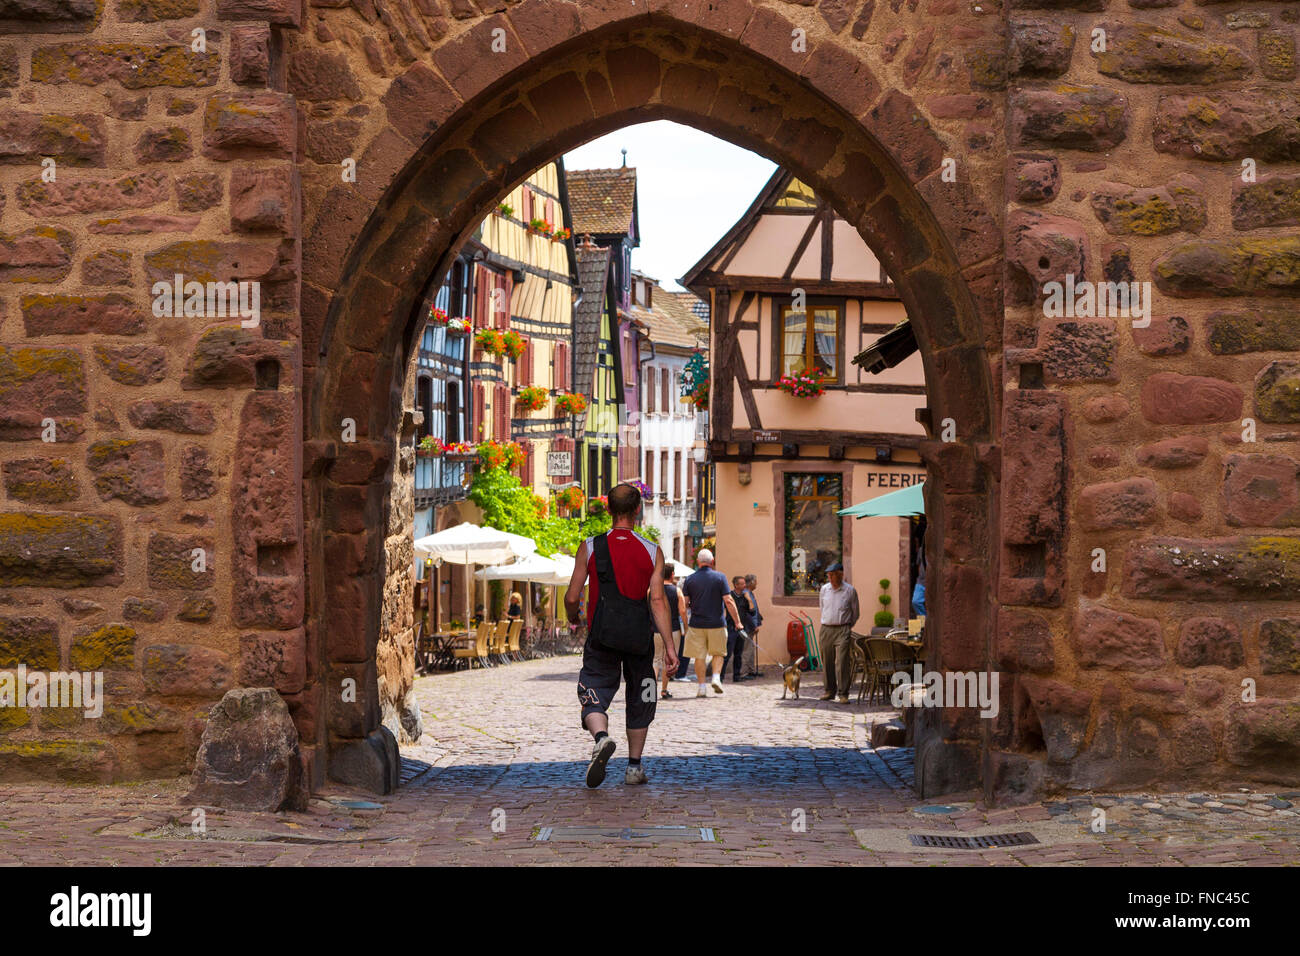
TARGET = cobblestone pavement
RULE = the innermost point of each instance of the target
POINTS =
(778, 782)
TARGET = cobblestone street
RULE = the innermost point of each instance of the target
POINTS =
(503, 745)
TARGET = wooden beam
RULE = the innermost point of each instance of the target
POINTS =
(770, 286)
(799, 250)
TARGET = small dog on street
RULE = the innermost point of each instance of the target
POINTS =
(791, 677)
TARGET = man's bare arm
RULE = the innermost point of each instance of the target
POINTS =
(573, 596)
(659, 605)
(681, 607)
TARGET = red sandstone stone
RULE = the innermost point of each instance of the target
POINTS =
(1111, 639)
(1172, 399)
(1130, 503)
(250, 54)
(263, 199)
(1261, 491)
(1185, 507)
(1206, 641)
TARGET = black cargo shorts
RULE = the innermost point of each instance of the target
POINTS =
(598, 682)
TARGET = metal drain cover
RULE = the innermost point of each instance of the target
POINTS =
(612, 834)
(990, 841)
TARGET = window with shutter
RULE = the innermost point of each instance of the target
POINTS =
(665, 477)
(479, 424)
(526, 213)
(664, 381)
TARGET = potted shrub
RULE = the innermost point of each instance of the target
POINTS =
(561, 235)
(598, 505)
(512, 344)
(489, 342)
(494, 454)
(571, 403)
(459, 326)
(437, 316)
(884, 618)
(428, 447)
(505, 209)
(801, 385)
(532, 398)
(570, 499)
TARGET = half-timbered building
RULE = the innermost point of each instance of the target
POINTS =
(794, 294)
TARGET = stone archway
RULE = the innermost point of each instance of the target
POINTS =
(822, 115)
(1093, 457)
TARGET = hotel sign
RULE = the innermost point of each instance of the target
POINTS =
(559, 464)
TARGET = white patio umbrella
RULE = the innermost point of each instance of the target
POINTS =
(532, 568)
(470, 544)
(679, 570)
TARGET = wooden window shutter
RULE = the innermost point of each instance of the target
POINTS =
(480, 297)
(480, 411)
(526, 214)
(526, 466)
(664, 477)
(664, 382)
(561, 370)
(550, 212)
(649, 389)
(504, 283)
(501, 406)
(524, 367)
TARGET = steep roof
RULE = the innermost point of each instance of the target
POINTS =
(593, 272)
(603, 201)
(670, 322)
(699, 308)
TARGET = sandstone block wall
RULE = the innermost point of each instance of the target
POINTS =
(985, 149)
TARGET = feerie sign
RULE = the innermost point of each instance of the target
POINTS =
(893, 479)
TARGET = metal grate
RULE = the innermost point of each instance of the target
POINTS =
(991, 841)
(612, 834)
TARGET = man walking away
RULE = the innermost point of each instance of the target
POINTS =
(735, 643)
(677, 610)
(839, 607)
(708, 596)
(625, 573)
(751, 646)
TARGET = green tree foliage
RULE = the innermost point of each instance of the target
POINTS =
(510, 506)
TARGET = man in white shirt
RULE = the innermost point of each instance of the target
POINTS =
(839, 608)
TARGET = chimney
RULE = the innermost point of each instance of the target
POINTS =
(586, 242)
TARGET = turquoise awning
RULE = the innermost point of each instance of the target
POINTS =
(901, 504)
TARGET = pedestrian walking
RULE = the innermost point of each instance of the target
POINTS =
(677, 610)
(624, 573)
(839, 612)
(708, 598)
